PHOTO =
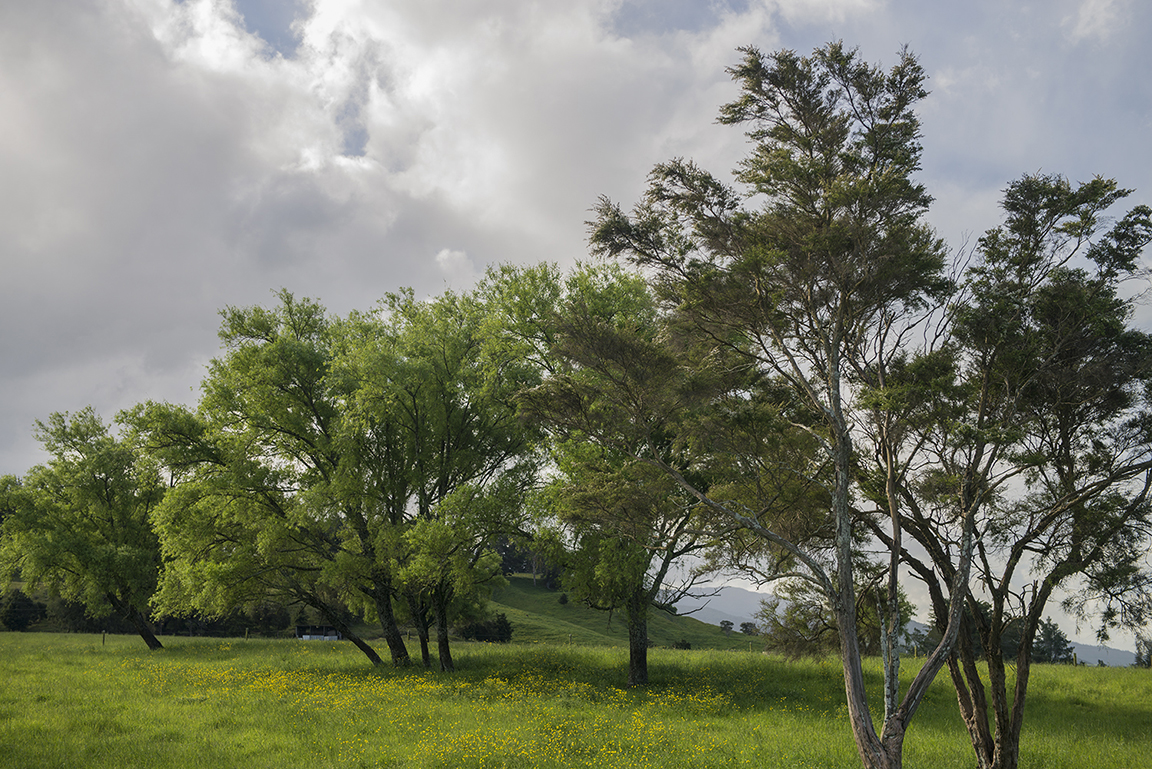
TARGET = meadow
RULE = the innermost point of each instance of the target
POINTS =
(80, 701)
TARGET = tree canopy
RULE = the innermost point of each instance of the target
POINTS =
(81, 523)
(818, 288)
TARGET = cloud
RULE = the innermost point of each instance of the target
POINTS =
(1098, 19)
(457, 268)
(164, 159)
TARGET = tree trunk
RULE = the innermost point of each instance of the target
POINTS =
(382, 596)
(973, 708)
(999, 750)
(440, 609)
(362, 645)
(335, 621)
(419, 611)
(133, 615)
(638, 640)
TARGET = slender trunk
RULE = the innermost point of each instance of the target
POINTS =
(382, 596)
(333, 618)
(888, 610)
(638, 639)
(440, 610)
(419, 611)
(973, 707)
(873, 754)
(133, 615)
(361, 644)
(1008, 743)
(425, 636)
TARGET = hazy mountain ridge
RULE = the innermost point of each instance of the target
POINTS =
(737, 604)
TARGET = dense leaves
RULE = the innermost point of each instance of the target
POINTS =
(80, 524)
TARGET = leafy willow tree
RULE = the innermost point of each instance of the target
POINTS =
(273, 497)
(440, 376)
(322, 462)
(1046, 416)
(820, 290)
(80, 524)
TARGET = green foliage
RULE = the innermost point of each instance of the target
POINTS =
(1051, 645)
(18, 611)
(1043, 435)
(355, 460)
(798, 622)
(80, 524)
(496, 630)
(613, 404)
(1143, 651)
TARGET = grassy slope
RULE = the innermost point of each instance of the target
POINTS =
(537, 616)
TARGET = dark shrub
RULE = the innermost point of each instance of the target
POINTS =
(497, 630)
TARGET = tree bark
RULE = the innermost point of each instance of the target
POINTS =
(382, 596)
(134, 615)
(419, 611)
(335, 621)
(440, 610)
(638, 640)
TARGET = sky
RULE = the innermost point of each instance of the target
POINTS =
(164, 159)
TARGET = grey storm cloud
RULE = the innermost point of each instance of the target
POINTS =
(162, 160)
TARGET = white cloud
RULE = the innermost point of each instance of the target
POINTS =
(457, 268)
(1098, 19)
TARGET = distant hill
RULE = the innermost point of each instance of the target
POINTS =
(735, 604)
(538, 616)
(1090, 654)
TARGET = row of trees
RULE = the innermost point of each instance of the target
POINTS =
(797, 382)
(368, 461)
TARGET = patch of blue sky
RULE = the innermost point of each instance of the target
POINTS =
(272, 21)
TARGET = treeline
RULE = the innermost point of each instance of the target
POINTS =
(792, 378)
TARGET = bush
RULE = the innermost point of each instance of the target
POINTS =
(18, 611)
(497, 630)
(681, 644)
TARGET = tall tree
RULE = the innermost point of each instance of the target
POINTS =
(611, 396)
(275, 493)
(822, 290)
(80, 524)
(438, 373)
(1051, 388)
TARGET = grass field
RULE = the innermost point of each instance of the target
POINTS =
(71, 701)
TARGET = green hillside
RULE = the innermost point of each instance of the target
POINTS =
(537, 616)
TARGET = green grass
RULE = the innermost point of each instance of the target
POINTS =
(537, 616)
(69, 701)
